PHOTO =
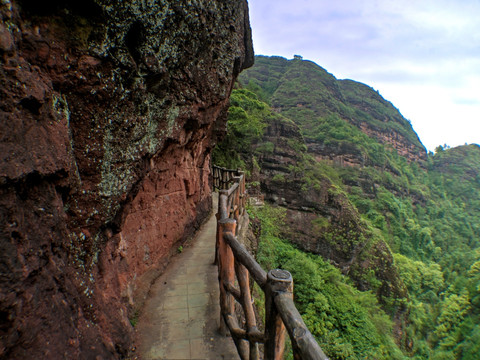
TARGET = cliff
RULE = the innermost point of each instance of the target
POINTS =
(357, 190)
(320, 218)
(309, 95)
(108, 116)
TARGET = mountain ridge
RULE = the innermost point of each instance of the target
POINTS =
(371, 119)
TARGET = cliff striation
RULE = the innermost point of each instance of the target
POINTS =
(109, 112)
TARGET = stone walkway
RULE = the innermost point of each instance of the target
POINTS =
(180, 319)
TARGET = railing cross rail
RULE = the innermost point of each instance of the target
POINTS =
(237, 265)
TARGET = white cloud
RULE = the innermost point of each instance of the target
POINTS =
(423, 56)
(438, 117)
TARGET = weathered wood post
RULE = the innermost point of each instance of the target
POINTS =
(222, 180)
(246, 302)
(221, 214)
(213, 176)
(226, 271)
(243, 194)
(217, 239)
(241, 191)
(278, 281)
(236, 200)
(216, 182)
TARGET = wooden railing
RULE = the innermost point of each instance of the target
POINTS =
(235, 267)
(223, 178)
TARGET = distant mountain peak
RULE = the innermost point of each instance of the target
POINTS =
(309, 94)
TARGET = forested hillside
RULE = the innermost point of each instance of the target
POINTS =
(382, 238)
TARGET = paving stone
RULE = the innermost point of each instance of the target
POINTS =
(182, 279)
(197, 313)
(177, 290)
(175, 302)
(195, 329)
(179, 349)
(196, 288)
(156, 352)
(198, 300)
(200, 270)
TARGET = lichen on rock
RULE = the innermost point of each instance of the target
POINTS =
(109, 113)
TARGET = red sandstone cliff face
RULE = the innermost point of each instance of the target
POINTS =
(108, 114)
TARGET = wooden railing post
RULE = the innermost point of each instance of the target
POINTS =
(221, 214)
(243, 197)
(246, 301)
(304, 344)
(236, 200)
(226, 273)
(224, 180)
(216, 179)
(278, 281)
(217, 239)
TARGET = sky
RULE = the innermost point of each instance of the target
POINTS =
(421, 55)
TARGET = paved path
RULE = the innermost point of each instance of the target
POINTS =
(180, 319)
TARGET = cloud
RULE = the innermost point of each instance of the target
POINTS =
(408, 45)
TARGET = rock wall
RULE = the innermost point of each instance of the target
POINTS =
(108, 114)
(319, 218)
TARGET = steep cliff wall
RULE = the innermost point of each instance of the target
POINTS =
(319, 217)
(386, 123)
(108, 111)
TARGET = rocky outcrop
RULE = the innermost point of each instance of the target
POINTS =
(108, 115)
(342, 154)
(319, 217)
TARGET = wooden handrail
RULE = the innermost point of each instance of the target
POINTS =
(304, 342)
(235, 266)
(246, 259)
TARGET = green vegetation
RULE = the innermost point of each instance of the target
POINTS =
(134, 318)
(348, 151)
(348, 323)
(313, 98)
(247, 118)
